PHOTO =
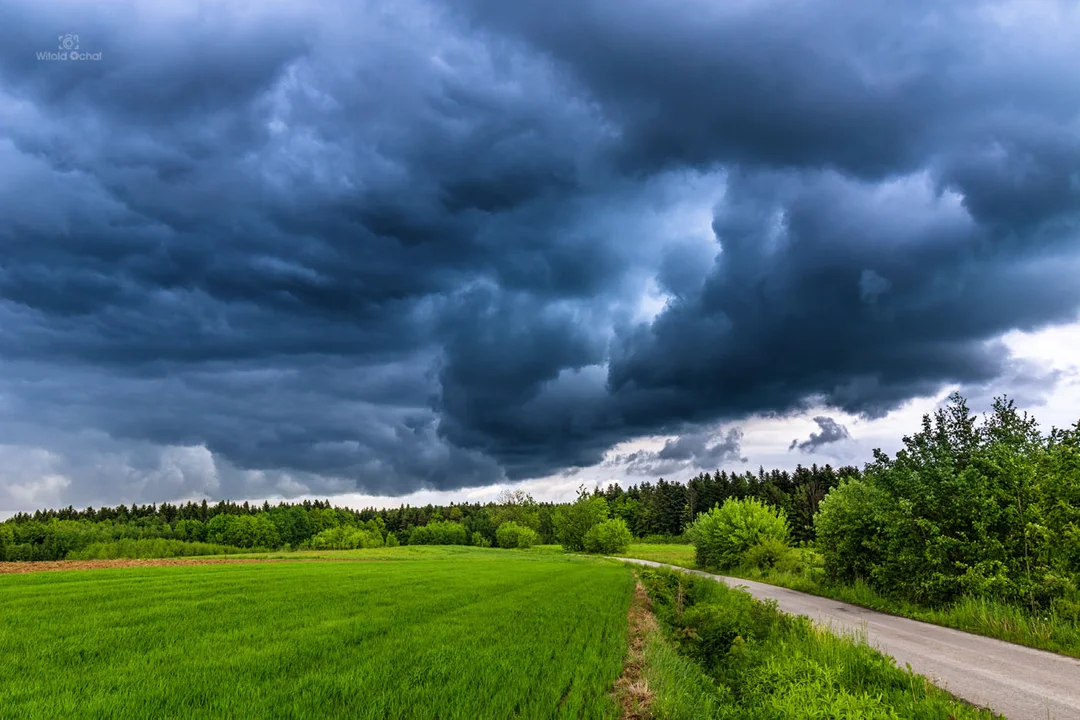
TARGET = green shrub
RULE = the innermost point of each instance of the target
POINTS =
(766, 555)
(345, 538)
(512, 535)
(391, 540)
(572, 522)
(439, 532)
(848, 530)
(477, 539)
(7, 539)
(608, 537)
(723, 535)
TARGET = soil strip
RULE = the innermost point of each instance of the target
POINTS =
(632, 688)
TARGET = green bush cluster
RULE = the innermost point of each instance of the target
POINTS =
(439, 532)
(573, 521)
(346, 538)
(965, 509)
(608, 537)
(512, 535)
(737, 532)
(768, 554)
(243, 531)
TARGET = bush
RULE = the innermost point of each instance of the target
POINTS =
(439, 532)
(723, 535)
(512, 535)
(345, 538)
(768, 554)
(848, 527)
(574, 521)
(7, 539)
(610, 536)
(391, 540)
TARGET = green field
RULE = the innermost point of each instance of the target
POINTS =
(681, 555)
(505, 634)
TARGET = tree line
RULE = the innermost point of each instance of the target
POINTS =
(969, 508)
(660, 510)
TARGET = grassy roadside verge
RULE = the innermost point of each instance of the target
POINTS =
(657, 681)
(711, 651)
(801, 571)
(975, 615)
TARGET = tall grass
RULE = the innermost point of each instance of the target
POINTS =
(762, 663)
(1048, 630)
(802, 570)
(482, 634)
(680, 688)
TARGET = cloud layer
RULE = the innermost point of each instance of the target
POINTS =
(392, 246)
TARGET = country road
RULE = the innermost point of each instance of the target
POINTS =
(1020, 683)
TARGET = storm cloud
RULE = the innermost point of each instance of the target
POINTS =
(831, 432)
(287, 248)
(703, 450)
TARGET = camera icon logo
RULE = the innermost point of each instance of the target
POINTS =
(69, 42)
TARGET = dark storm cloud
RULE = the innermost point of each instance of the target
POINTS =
(831, 432)
(397, 246)
(871, 90)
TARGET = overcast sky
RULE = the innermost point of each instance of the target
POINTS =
(404, 251)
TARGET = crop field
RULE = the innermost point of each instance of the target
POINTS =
(434, 633)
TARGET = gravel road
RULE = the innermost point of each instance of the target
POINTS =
(1020, 683)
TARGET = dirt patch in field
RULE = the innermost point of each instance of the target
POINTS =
(7, 568)
(632, 688)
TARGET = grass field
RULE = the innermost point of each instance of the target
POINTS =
(681, 555)
(416, 635)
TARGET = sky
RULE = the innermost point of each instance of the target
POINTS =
(385, 252)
